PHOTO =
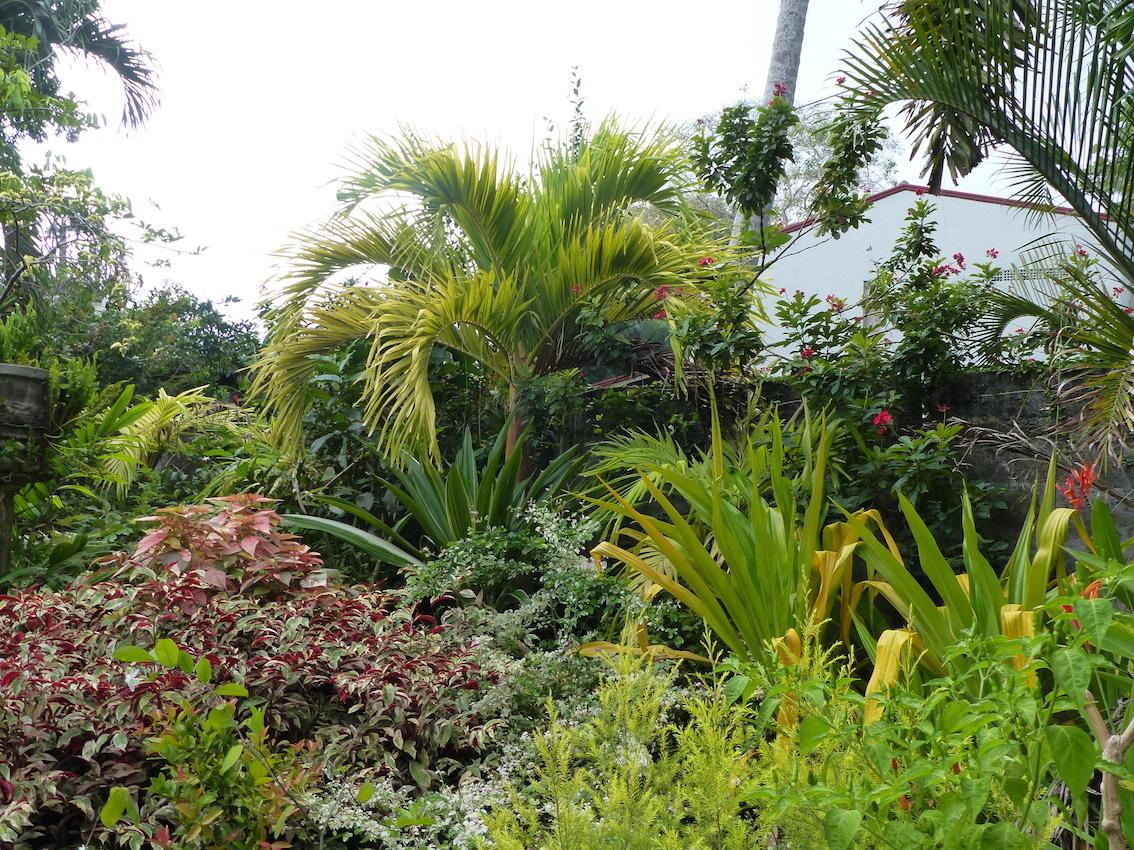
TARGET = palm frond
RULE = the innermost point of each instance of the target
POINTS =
(151, 427)
(96, 38)
(78, 27)
(1041, 77)
(475, 186)
(475, 259)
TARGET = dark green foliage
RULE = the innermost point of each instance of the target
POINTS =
(723, 335)
(167, 339)
(839, 205)
(744, 158)
(442, 508)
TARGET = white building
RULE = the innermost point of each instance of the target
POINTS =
(968, 224)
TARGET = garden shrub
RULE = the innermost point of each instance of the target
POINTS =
(628, 776)
(373, 686)
(955, 762)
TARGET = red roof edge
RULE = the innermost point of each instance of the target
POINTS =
(944, 193)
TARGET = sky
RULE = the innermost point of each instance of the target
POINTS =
(261, 99)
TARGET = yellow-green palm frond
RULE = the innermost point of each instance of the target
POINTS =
(161, 426)
(287, 363)
(358, 245)
(615, 169)
(623, 269)
(480, 316)
(473, 185)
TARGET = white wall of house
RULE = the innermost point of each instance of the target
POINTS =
(966, 223)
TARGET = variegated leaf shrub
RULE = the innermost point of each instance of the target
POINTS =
(367, 684)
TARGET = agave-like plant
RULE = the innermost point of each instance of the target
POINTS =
(1051, 83)
(749, 554)
(1008, 603)
(444, 507)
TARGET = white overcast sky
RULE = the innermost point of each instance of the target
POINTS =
(260, 98)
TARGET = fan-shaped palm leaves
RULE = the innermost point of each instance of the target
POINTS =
(1052, 83)
(481, 260)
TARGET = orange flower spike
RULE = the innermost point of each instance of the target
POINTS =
(1077, 487)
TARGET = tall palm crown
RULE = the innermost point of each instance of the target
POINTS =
(1051, 82)
(478, 259)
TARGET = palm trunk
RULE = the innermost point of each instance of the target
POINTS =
(783, 69)
(518, 421)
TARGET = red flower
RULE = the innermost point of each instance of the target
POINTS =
(1078, 485)
(1067, 609)
(779, 90)
(1080, 251)
(836, 303)
(807, 352)
(957, 767)
(992, 253)
(1019, 330)
(919, 191)
(904, 802)
(840, 80)
(576, 289)
(1117, 290)
(960, 258)
(894, 764)
(881, 421)
(660, 314)
(782, 290)
(660, 293)
(942, 407)
(705, 261)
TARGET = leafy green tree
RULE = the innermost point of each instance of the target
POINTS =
(89, 299)
(33, 34)
(168, 339)
(479, 259)
(34, 105)
(812, 146)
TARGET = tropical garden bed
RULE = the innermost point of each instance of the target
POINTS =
(516, 533)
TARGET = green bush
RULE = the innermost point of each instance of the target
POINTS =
(629, 778)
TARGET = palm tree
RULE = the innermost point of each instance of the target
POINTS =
(475, 258)
(51, 27)
(78, 26)
(1050, 82)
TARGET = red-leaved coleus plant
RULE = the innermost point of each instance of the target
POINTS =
(372, 685)
(234, 544)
